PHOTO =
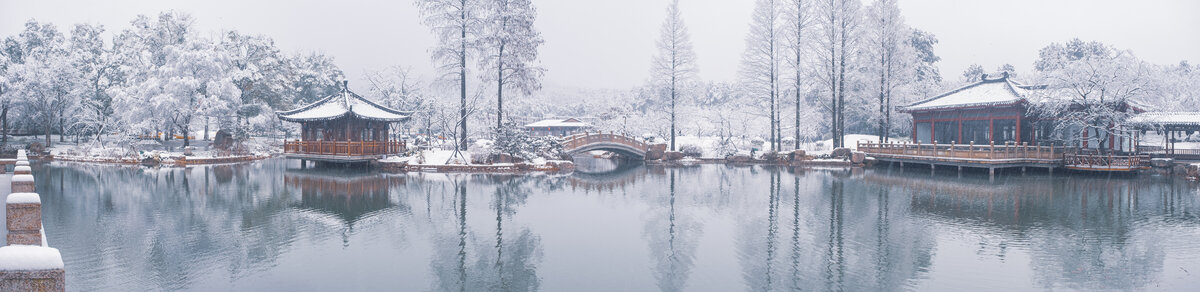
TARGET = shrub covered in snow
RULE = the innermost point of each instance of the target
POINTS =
(691, 150)
(514, 141)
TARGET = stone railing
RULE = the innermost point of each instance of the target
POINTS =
(583, 139)
(27, 263)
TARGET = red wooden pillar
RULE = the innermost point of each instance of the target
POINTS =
(991, 129)
(932, 131)
(960, 122)
(1018, 133)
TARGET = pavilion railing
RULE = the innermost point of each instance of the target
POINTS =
(344, 148)
(1009, 150)
(582, 139)
(1105, 161)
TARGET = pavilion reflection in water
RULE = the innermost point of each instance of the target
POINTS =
(348, 196)
(1078, 230)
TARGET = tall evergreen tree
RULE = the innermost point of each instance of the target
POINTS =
(674, 67)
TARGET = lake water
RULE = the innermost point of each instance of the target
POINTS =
(270, 225)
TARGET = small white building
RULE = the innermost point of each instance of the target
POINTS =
(557, 127)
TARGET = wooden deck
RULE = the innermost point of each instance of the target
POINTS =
(1107, 163)
(967, 155)
(341, 151)
(1008, 155)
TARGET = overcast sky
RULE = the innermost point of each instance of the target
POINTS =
(609, 44)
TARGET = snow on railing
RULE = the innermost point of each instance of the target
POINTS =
(1008, 150)
(346, 148)
(576, 141)
(28, 263)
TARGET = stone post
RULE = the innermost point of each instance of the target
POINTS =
(23, 213)
(23, 169)
(22, 183)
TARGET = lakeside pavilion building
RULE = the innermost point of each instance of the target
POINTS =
(995, 109)
(343, 127)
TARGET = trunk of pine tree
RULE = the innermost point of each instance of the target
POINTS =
(186, 139)
(842, 88)
(500, 87)
(4, 125)
(798, 97)
(672, 109)
(462, 78)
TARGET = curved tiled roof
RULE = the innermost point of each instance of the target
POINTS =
(986, 92)
(345, 103)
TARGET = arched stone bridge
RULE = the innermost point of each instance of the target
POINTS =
(584, 142)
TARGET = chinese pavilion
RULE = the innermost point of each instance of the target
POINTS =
(995, 109)
(343, 127)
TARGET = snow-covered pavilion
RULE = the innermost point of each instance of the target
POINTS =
(557, 127)
(343, 127)
(995, 109)
(1174, 126)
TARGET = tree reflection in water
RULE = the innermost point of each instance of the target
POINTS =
(268, 226)
(470, 263)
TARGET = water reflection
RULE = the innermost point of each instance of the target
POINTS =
(272, 226)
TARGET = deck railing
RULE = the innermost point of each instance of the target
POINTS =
(582, 139)
(1105, 161)
(1008, 150)
(343, 148)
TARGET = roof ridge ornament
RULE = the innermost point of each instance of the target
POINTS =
(346, 94)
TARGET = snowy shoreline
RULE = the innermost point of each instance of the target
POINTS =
(169, 162)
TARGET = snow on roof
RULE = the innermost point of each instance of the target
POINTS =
(23, 198)
(343, 104)
(1167, 119)
(986, 92)
(29, 257)
(22, 178)
(571, 122)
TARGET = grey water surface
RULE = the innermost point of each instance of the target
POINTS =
(272, 226)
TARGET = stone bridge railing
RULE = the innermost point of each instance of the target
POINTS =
(27, 263)
(580, 140)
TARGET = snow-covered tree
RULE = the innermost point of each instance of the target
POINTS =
(674, 68)
(260, 72)
(511, 49)
(99, 72)
(44, 79)
(973, 73)
(458, 25)
(1091, 89)
(1008, 68)
(891, 64)
(928, 78)
(184, 76)
(314, 76)
(760, 62)
(839, 24)
(796, 15)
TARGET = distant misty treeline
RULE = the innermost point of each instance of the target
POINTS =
(811, 69)
(158, 75)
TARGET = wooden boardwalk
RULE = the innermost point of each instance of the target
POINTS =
(1009, 155)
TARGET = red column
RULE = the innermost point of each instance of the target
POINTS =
(1018, 133)
(960, 140)
(991, 129)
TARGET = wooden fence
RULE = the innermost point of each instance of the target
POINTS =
(966, 151)
(343, 148)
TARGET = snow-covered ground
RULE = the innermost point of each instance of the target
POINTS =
(710, 145)
(116, 148)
